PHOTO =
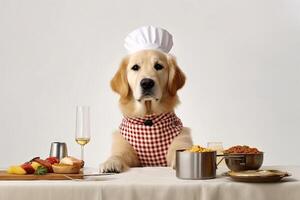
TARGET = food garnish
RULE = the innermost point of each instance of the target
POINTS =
(41, 170)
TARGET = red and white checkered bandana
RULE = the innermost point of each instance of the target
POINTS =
(151, 136)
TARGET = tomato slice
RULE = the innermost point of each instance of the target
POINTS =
(28, 168)
(52, 160)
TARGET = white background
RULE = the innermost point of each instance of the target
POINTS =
(241, 59)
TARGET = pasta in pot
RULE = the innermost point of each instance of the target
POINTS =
(198, 149)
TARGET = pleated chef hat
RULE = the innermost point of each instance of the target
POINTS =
(149, 37)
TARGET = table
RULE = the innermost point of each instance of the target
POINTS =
(153, 183)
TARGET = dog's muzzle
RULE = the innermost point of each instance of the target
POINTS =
(147, 84)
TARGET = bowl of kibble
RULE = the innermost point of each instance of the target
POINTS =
(243, 157)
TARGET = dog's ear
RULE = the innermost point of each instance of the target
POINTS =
(119, 82)
(176, 76)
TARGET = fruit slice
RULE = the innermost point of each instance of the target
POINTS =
(28, 168)
(35, 165)
(44, 163)
(16, 170)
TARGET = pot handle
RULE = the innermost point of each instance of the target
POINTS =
(237, 157)
(220, 161)
(231, 156)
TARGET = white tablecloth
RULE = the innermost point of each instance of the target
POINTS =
(152, 183)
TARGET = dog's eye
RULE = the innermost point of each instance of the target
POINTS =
(135, 67)
(158, 66)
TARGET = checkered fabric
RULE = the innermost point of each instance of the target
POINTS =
(151, 142)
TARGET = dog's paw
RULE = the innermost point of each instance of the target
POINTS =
(113, 165)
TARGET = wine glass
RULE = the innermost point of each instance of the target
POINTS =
(83, 131)
(218, 147)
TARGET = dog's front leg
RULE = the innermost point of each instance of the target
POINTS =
(182, 141)
(122, 156)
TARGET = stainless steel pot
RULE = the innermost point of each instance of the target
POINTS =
(195, 165)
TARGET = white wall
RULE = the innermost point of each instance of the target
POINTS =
(241, 59)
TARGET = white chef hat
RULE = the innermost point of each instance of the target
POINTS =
(149, 37)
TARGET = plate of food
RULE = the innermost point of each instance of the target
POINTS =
(258, 176)
(50, 168)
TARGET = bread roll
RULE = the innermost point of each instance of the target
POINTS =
(69, 160)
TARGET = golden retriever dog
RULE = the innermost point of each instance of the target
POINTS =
(147, 82)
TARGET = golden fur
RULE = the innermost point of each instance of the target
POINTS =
(124, 82)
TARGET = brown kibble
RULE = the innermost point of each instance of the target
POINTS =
(242, 149)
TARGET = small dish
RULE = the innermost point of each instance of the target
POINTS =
(257, 176)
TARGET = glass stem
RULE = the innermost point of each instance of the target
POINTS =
(82, 152)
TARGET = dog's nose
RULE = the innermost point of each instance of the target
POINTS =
(147, 83)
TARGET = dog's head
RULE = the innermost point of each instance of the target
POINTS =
(148, 76)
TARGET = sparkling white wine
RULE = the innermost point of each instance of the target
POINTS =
(82, 141)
